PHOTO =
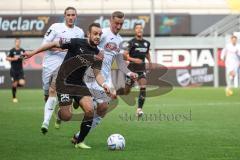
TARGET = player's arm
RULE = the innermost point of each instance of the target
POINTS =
(42, 48)
(148, 57)
(100, 80)
(122, 65)
(11, 57)
(131, 59)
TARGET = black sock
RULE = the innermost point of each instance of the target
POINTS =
(14, 91)
(141, 97)
(46, 98)
(85, 128)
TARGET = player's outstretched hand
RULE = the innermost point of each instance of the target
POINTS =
(111, 92)
(27, 54)
(133, 76)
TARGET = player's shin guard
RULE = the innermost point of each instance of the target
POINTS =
(141, 97)
(49, 109)
(85, 128)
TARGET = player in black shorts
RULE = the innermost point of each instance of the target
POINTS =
(69, 82)
(16, 71)
(138, 51)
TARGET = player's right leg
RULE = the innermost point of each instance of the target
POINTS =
(49, 109)
(47, 78)
(142, 95)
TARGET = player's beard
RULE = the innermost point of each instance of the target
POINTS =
(92, 43)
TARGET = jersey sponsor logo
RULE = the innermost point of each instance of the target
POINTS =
(111, 46)
(141, 49)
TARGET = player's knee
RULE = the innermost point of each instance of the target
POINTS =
(21, 82)
(89, 112)
(102, 109)
(64, 114)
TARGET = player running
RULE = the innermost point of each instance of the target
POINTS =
(138, 51)
(79, 58)
(54, 58)
(230, 54)
(16, 71)
(111, 44)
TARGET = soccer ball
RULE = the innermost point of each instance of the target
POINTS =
(116, 142)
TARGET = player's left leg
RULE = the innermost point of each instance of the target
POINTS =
(21, 80)
(142, 95)
(86, 104)
(230, 75)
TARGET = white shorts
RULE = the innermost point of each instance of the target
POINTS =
(47, 75)
(97, 92)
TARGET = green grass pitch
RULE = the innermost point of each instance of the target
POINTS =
(185, 124)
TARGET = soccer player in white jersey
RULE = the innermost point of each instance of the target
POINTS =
(230, 54)
(111, 44)
(54, 58)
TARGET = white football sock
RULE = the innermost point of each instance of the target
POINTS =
(49, 109)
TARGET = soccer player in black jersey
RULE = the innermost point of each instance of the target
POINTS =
(16, 71)
(82, 54)
(138, 51)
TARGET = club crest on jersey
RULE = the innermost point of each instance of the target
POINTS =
(111, 46)
(145, 44)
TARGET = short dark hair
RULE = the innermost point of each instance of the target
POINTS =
(69, 8)
(137, 24)
(118, 14)
(93, 25)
